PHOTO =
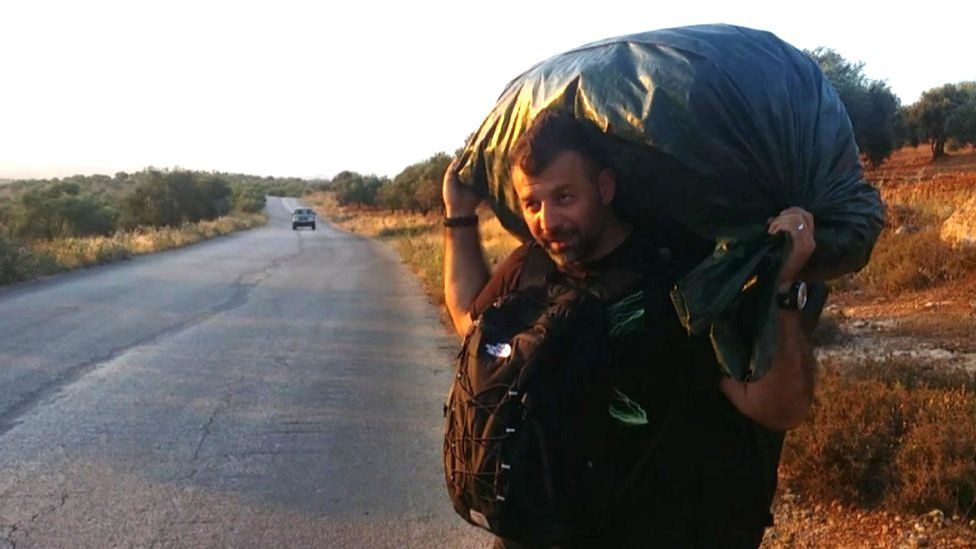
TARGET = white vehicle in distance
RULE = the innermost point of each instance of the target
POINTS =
(302, 217)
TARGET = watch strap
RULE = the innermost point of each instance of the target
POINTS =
(461, 221)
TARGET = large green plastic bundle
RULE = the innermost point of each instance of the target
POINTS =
(712, 130)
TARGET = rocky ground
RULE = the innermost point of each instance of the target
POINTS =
(936, 327)
(805, 524)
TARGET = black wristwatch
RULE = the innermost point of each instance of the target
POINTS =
(795, 298)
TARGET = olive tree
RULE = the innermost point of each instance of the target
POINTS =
(874, 110)
(943, 116)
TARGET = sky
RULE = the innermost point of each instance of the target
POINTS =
(308, 89)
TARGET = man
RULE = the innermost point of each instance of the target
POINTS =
(710, 481)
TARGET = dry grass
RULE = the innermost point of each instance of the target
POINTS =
(154, 240)
(50, 256)
(920, 196)
(419, 239)
(916, 260)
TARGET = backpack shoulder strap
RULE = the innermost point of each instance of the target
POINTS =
(536, 267)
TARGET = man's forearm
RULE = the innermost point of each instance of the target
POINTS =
(782, 398)
(465, 274)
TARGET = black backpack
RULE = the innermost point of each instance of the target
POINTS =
(525, 445)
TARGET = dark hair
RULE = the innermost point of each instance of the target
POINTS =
(552, 133)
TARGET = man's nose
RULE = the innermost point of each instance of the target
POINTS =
(548, 218)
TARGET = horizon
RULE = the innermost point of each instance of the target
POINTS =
(295, 90)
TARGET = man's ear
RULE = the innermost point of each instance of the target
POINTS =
(606, 183)
(517, 177)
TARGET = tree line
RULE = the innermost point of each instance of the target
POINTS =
(417, 188)
(95, 205)
(944, 117)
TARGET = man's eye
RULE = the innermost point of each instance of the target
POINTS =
(565, 197)
(531, 206)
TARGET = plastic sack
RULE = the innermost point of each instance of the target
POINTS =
(712, 130)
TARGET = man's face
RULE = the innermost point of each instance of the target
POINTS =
(566, 207)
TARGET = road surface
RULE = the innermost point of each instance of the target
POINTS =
(272, 388)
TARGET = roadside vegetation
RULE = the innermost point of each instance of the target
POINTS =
(48, 226)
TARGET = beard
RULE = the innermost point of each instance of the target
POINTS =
(568, 246)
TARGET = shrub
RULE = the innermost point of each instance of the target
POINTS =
(843, 450)
(885, 432)
(19, 262)
(912, 261)
(935, 465)
(61, 210)
(353, 188)
(13, 260)
(172, 198)
(248, 198)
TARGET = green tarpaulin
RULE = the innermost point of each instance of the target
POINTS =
(712, 130)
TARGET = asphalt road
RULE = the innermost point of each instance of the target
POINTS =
(272, 388)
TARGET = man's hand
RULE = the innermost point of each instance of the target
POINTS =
(459, 200)
(798, 223)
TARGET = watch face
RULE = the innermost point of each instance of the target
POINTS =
(801, 295)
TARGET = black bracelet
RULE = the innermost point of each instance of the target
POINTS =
(461, 221)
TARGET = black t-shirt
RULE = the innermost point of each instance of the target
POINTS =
(712, 467)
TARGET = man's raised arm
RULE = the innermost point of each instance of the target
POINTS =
(465, 270)
(782, 398)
